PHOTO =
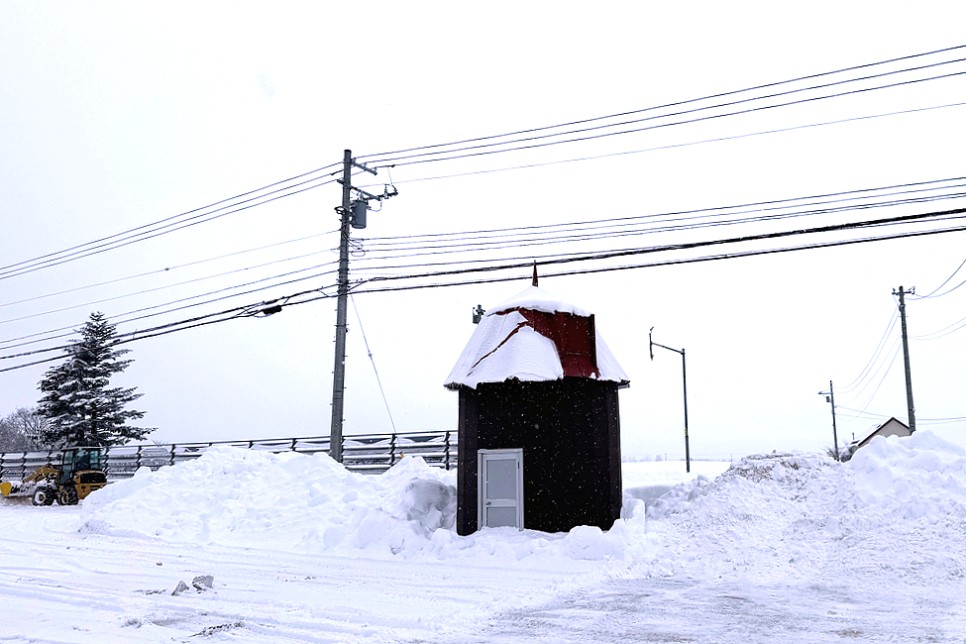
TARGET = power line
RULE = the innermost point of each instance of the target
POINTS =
(941, 421)
(317, 295)
(173, 217)
(885, 368)
(124, 239)
(536, 142)
(166, 269)
(655, 264)
(131, 316)
(875, 354)
(933, 293)
(862, 414)
(697, 215)
(197, 215)
(952, 213)
(671, 146)
(358, 287)
(556, 258)
(668, 105)
(248, 310)
(943, 332)
(186, 282)
(910, 188)
(916, 187)
(559, 240)
(613, 231)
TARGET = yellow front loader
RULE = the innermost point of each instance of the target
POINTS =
(80, 472)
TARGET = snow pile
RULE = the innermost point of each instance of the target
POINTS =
(238, 497)
(897, 510)
(244, 497)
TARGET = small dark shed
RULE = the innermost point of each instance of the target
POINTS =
(539, 423)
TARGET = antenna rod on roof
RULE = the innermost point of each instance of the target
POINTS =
(535, 272)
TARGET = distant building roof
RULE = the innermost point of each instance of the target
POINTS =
(534, 336)
(891, 427)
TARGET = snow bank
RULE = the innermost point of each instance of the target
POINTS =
(240, 497)
(897, 510)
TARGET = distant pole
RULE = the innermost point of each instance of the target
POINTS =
(830, 397)
(684, 379)
(338, 371)
(910, 407)
(687, 440)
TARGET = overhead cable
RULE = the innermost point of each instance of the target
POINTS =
(666, 105)
(580, 135)
(358, 287)
(150, 231)
(672, 146)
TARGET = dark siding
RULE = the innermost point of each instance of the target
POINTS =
(569, 431)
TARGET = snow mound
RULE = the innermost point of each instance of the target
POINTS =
(241, 497)
(898, 508)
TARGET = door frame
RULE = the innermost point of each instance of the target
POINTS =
(498, 454)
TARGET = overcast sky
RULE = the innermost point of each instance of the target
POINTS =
(115, 115)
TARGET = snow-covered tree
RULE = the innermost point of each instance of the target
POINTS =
(79, 403)
(21, 431)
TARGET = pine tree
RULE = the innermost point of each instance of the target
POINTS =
(79, 403)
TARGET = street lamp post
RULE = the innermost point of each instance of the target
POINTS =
(684, 379)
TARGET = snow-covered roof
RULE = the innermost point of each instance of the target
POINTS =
(534, 337)
(535, 298)
(891, 427)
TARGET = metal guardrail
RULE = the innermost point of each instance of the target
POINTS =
(363, 453)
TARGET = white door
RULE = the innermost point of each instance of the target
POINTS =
(500, 487)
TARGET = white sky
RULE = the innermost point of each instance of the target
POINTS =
(115, 115)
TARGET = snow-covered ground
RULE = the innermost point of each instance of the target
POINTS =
(776, 548)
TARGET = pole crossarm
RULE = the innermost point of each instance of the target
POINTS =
(363, 166)
(678, 351)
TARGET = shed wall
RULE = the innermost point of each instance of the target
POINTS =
(569, 431)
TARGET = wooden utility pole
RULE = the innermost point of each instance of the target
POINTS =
(830, 397)
(338, 371)
(353, 215)
(911, 408)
